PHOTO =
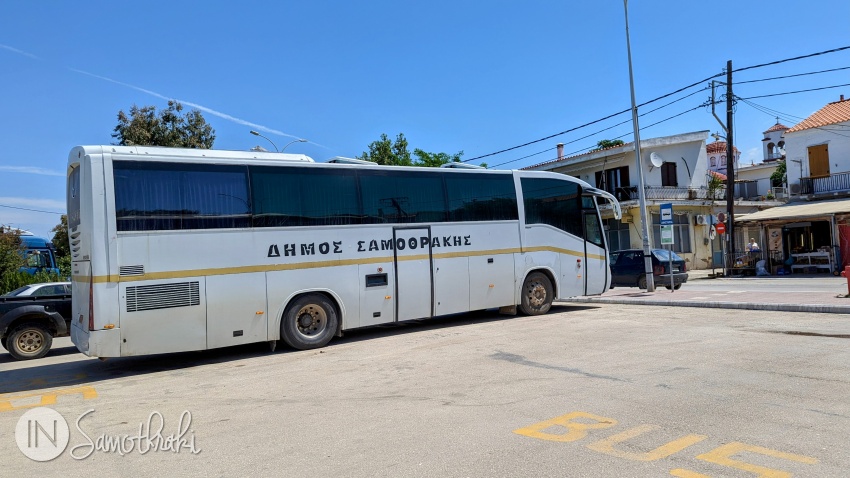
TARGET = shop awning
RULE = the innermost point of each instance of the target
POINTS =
(799, 210)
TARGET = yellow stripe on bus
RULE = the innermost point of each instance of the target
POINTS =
(320, 264)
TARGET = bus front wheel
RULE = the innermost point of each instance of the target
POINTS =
(309, 322)
(537, 294)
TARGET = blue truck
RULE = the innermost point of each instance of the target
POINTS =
(39, 253)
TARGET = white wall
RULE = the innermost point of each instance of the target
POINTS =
(797, 144)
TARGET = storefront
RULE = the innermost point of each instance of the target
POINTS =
(802, 237)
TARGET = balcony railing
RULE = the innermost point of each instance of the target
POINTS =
(670, 193)
(825, 184)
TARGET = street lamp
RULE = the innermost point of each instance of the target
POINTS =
(294, 141)
(647, 253)
(255, 133)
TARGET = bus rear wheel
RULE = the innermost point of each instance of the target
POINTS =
(537, 294)
(309, 322)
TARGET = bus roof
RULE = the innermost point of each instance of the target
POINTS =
(183, 153)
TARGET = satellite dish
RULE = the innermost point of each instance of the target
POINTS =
(656, 159)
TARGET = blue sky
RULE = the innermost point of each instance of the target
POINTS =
(452, 76)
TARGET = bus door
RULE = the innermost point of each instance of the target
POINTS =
(414, 272)
(596, 270)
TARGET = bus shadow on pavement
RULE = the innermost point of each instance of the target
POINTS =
(38, 375)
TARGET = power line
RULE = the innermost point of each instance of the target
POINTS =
(762, 109)
(547, 137)
(795, 92)
(617, 137)
(793, 76)
(33, 210)
(659, 98)
(834, 50)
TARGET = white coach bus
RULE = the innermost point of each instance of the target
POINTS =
(187, 249)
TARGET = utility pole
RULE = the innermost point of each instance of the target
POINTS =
(647, 251)
(730, 170)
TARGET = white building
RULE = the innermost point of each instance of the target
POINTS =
(811, 234)
(675, 170)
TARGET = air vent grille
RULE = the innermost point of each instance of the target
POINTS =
(163, 296)
(131, 270)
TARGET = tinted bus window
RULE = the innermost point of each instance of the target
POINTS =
(304, 197)
(402, 196)
(168, 196)
(553, 202)
(481, 197)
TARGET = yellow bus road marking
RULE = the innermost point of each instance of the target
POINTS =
(607, 445)
(12, 402)
(575, 426)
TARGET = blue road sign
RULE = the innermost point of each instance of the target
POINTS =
(667, 214)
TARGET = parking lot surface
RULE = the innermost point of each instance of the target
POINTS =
(587, 390)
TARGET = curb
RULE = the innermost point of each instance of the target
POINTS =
(814, 308)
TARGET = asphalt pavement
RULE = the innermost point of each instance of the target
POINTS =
(817, 293)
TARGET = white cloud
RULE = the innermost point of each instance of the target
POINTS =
(32, 170)
(752, 156)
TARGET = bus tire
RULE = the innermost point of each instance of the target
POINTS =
(30, 340)
(537, 294)
(309, 322)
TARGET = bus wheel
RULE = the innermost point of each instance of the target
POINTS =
(309, 322)
(29, 340)
(537, 294)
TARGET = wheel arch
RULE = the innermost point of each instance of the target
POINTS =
(334, 298)
(35, 317)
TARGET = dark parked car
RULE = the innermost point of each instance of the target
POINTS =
(628, 270)
(28, 323)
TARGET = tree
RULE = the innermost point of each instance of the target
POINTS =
(144, 127)
(11, 258)
(396, 153)
(388, 153)
(62, 246)
(607, 143)
(435, 160)
(778, 177)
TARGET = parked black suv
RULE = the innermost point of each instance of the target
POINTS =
(628, 270)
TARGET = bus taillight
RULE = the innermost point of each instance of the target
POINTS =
(91, 303)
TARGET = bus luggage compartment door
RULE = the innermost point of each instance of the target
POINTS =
(414, 272)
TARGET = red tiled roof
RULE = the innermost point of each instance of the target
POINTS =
(777, 127)
(577, 155)
(718, 147)
(836, 112)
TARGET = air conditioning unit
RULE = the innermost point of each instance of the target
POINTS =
(701, 219)
(795, 188)
(627, 219)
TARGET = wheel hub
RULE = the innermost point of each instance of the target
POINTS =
(537, 294)
(311, 320)
(30, 341)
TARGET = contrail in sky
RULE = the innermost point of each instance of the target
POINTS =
(213, 112)
(19, 52)
(32, 170)
(189, 103)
